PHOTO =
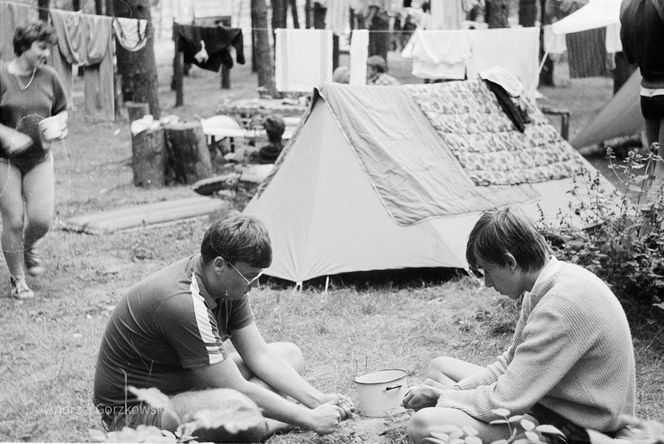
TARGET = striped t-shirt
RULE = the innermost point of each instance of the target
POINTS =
(165, 325)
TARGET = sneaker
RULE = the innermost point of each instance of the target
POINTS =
(33, 263)
(20, 289)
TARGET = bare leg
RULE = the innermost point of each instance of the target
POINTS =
(446, 370)
(432, 419)
(286, 350)
(290, 353)
(11, 207)
(39, 197)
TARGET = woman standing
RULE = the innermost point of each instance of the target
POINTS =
(30, 92)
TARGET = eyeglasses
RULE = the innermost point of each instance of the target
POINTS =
(249, 282)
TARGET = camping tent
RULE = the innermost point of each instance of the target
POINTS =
(379, 178)
(621, 116)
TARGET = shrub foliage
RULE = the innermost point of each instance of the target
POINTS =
(618, 233)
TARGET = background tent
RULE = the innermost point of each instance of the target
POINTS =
(621, 116)
(371, 179)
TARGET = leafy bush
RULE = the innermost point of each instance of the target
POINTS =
(617, 234)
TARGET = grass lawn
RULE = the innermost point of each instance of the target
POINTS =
(48, 345)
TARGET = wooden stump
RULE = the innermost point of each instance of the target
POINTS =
(188, 154)
(149, 158)
(136, 110)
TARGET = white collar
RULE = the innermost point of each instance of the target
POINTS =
(547, 273)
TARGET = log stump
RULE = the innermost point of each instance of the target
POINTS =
(188, 153)
(149, 158)
(136, 110)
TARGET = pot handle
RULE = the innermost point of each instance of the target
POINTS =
(394, 387)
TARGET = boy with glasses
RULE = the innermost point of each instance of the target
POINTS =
(168, 333)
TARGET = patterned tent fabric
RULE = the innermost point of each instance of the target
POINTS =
(491, 151)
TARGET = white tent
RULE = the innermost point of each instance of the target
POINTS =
(371, 182)
(621, 116)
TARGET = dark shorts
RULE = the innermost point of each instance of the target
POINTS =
(118, 416)
(24, 165)
(652, 107)
(574, 434)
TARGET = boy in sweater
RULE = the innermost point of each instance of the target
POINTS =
(570, 363)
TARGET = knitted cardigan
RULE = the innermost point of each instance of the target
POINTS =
(571, 352)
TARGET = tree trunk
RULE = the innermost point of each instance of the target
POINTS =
(307, 14)
(546, 74)
(279, 14)
(497, 13)
(293, 6)
(622, 72)
(148, 158)
(138, 69)
(99, 9)
(264, 63)
(188, 154)
(527, 12)
(43, 6)
(279, 17)
(76, 5)
(136, 110)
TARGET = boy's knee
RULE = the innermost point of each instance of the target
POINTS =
(438, 365)
(292, 354)
(420, 424)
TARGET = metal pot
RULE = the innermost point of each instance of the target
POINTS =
(381, 391)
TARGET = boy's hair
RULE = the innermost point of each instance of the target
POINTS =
(36, 31)
(509, 230)
(238, 238)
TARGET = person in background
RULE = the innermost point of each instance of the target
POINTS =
(642, 36)
(341, 75)
(274, 128)
(30, 91)
(168, 332)
(377, 72)
(564, 367)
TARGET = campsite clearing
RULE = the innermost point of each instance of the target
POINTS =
(48, 346)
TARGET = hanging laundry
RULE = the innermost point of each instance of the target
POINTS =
(553, 43)
(447, 14)
(11, 16)
(337, 17)
(131, 34)
(359, 52)
(218, 42)
(586, 52)
(98, 77)
(516, 49)
(439, 54)
(303, 59)
(86, 40)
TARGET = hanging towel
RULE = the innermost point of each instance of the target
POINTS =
(515, 49)
(86, 40)
(99, 90)
(218, 42)
(586, 52)
(337, 18)
(131, 34)
(359, 52)
(303, 59)
(439, 54)
(11, 16)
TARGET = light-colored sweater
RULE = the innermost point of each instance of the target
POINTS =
(571, 352)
